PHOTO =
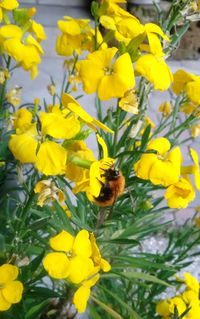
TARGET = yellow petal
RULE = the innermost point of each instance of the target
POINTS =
(57, 265)
(192, 89)
(105, 266)
(82, 245)
(23, 147)
(69, 102)
(80, 268)
(12, 291)
(62, 242)
(51, 158)
(9, 4)
(196, 169)
(155, 70)
(10, 31)
(160, 144)
(103, 145)
(80, 298)
(57, 126)
(71, 27)
(155, 45)
(38, 29)
(8, 273)
(4, 305)
(154, 28)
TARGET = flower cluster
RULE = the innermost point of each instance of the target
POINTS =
(78, 260)
(187, 302)
(21, 38)
(162, 166)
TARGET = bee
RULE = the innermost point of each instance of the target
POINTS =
(112, 188)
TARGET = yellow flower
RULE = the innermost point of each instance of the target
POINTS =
(7, 5)
(73, 106)
(10, 289)
(49, 157)
(180, 194)
(22, 117)
(26, 52)
(24, 145)
(52, 89)
(48, 192)
(38, 30)
(155, 70)
(74, 257)
(165, 108)
(129, 102)
(188, 83)
(73, 172)
(110, 79)
(161, 168)
(77, 35)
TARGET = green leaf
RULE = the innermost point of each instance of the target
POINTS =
(109, 310)
(145, 137)
(36, 310)
(122, 303)
(143, 276)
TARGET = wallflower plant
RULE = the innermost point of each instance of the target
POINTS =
(62, 251)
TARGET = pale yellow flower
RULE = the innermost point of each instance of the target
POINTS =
(129, 102)
(47, 192)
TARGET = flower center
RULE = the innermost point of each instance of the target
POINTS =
(70, 254)
(108, 71)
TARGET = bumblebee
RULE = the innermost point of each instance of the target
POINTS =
(112, 188)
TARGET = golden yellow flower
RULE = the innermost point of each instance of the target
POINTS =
(22, 117)
(155, 70)
(10, 289)
(180, 194)
(162, 168)
(110, 79)
(74, 255)
(188, 83)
